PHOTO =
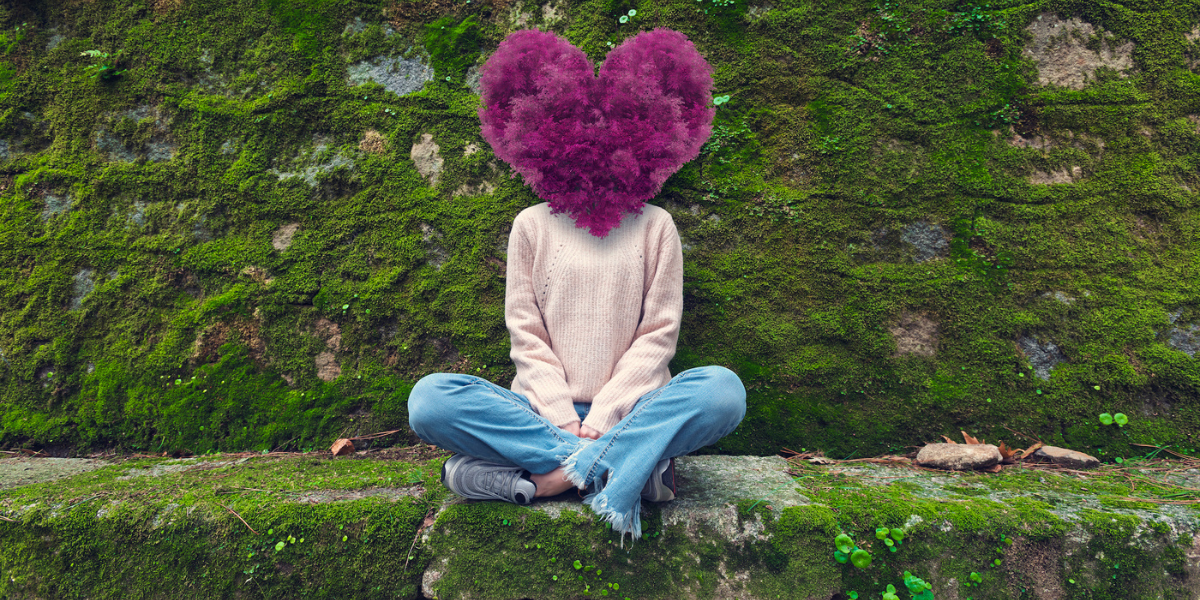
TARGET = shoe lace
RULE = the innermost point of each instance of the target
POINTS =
(500, 483)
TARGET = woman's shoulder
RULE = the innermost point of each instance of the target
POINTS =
(657, 219)
(533, 213)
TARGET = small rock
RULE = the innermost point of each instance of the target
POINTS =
(342, 447)
(959, 457)
(1071, 459)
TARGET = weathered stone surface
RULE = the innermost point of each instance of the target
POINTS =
(1072, 459)
(1064, 56)
(82, 284)
(55, 204)
(915, 334)
(16, 472)
(426, 158)
(388, 524)
(959, 457)
(435, 251)
(312, 162)
(926, 241)
(1183, 337)
(1043, 355)
(282, 238)
(710, 485)
(327, 366)
(397, 75)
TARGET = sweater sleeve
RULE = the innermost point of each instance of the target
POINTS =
(657, 333)
(540, 373)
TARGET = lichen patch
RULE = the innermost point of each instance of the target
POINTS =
(282, 238)
(426, 158)
(1069, 51)
(1063, 175)
(397, 75)
(328, 368)
(372, 142)
(330, 332)
(915, 334)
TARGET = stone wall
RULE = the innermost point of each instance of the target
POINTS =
(252, 224)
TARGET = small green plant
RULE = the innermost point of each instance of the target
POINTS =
(1120, 419)
(104, 65)
(919, 588)
(976, 20)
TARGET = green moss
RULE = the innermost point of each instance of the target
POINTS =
(452, 50)
(107, 535)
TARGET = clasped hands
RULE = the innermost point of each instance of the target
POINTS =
(582, 431)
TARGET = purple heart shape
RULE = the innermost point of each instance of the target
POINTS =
(596, 147)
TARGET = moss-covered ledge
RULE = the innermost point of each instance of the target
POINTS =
(744, 527)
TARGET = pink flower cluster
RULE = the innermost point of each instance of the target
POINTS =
(596, 148)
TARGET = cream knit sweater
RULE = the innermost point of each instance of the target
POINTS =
(592, 319)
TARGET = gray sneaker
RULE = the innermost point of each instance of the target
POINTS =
(478, 479)
(661, 486)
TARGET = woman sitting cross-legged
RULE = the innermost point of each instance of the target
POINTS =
(593, 316)
(593, 322)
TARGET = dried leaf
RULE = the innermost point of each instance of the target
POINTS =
(948, 440)
(1007, 455)
(970, 440)
(1026, 453)
(820, 460)
(993, 469)
(342, 447)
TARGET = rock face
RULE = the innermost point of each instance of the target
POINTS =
(1071, 459)
(742, 527)
(959, 457)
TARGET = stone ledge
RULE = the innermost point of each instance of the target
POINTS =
(743, 527)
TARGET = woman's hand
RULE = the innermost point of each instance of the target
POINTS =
(581, 431)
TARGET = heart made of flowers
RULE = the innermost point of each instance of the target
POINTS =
(596, 146)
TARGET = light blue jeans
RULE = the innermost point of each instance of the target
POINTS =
(472, 416)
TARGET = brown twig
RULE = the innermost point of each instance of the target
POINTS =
(8, 519)
(239, 518)
(375, 435)
(1183, 456)
(427, 522)
(1028, 437)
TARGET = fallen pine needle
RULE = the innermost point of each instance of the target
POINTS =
(239, 518)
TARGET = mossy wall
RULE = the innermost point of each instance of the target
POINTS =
(217, 233)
